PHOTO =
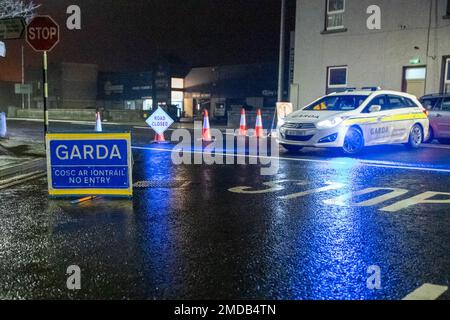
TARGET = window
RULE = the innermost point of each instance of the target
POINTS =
(446, 104)
(337, 77)
(177, 83)
(431, 103)
(177, 100)
(335, 14)
(448, 8)
(377, 101)
(397, 102)
(337, 103)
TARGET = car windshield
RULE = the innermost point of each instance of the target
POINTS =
(337, 103)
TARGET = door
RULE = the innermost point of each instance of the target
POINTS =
(445, 85)
(442, 119)
(375, 129)
(414, 79)
(400, 117)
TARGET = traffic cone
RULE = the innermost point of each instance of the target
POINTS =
(259, 131)
(206, 130)
(243, 124)
(159, 138)
(98, 122)
(3, 130)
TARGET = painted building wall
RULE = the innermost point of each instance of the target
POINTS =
(374, 57)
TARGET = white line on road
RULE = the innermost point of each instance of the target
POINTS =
(426, 292)
(368, 163)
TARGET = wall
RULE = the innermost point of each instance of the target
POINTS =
(79, 85)
(374, 57)
(8, 97)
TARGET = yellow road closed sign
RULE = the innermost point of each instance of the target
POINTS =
(89, 164)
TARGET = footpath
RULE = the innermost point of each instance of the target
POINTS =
(21, 160)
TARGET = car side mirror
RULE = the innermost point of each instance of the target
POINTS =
(375, 108)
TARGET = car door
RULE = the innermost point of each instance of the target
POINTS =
(377, 131)
(442, 119)
(402, 117)
(434, 113)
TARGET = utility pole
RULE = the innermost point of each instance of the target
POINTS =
(282, 51)
(23, 77)
(281, 63)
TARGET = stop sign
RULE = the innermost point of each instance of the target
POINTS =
(43, 33)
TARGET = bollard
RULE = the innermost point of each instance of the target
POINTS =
(3, 130)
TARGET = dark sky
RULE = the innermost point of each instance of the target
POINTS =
(128, 34)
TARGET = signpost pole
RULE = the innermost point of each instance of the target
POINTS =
(23, 77)
(45, 90)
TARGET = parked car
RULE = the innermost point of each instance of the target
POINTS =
(438, 106)
(354, 119)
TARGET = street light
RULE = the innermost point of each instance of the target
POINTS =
(282, 48)
(281, 60)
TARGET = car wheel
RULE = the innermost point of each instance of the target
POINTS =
(444, 141)
(354, 141)
(291, 148)
(415, 137)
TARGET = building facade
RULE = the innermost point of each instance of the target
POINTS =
(401, 45)
(220, 89)
(71, 86)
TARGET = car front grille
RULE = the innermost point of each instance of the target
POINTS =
(298, 138)
(299, 126)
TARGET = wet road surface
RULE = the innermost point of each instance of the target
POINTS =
(226, 232)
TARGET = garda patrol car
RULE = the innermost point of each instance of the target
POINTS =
(354, 119)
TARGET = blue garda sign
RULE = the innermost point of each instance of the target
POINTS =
(89, 164)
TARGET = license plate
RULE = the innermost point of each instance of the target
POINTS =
(296, 133)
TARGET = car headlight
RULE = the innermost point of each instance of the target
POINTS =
(330, 123)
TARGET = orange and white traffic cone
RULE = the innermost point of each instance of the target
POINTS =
(206, 130)
(98, 122)
(159, 138)
(259, 131)
(243, 124)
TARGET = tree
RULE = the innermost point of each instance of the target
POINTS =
(17, 8)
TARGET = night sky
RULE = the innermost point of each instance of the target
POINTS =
(127, 35)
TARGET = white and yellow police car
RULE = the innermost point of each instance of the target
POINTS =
(354, 119)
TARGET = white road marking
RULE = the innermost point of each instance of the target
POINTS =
(273, 187)
(368, 163)
(330, 186)
(341, 200)
(423, 198)
(22, 179)
(426, 292)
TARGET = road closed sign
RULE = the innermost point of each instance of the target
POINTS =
(87, 164)
(160, 121)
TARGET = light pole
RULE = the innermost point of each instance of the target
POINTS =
(282, 49)
(23, 78)
(280, 62)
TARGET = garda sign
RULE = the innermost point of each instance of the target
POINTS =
(89, 164)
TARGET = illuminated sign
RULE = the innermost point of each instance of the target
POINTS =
(89, 164)
(415, 60)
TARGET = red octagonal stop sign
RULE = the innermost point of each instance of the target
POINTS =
(43, 33)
